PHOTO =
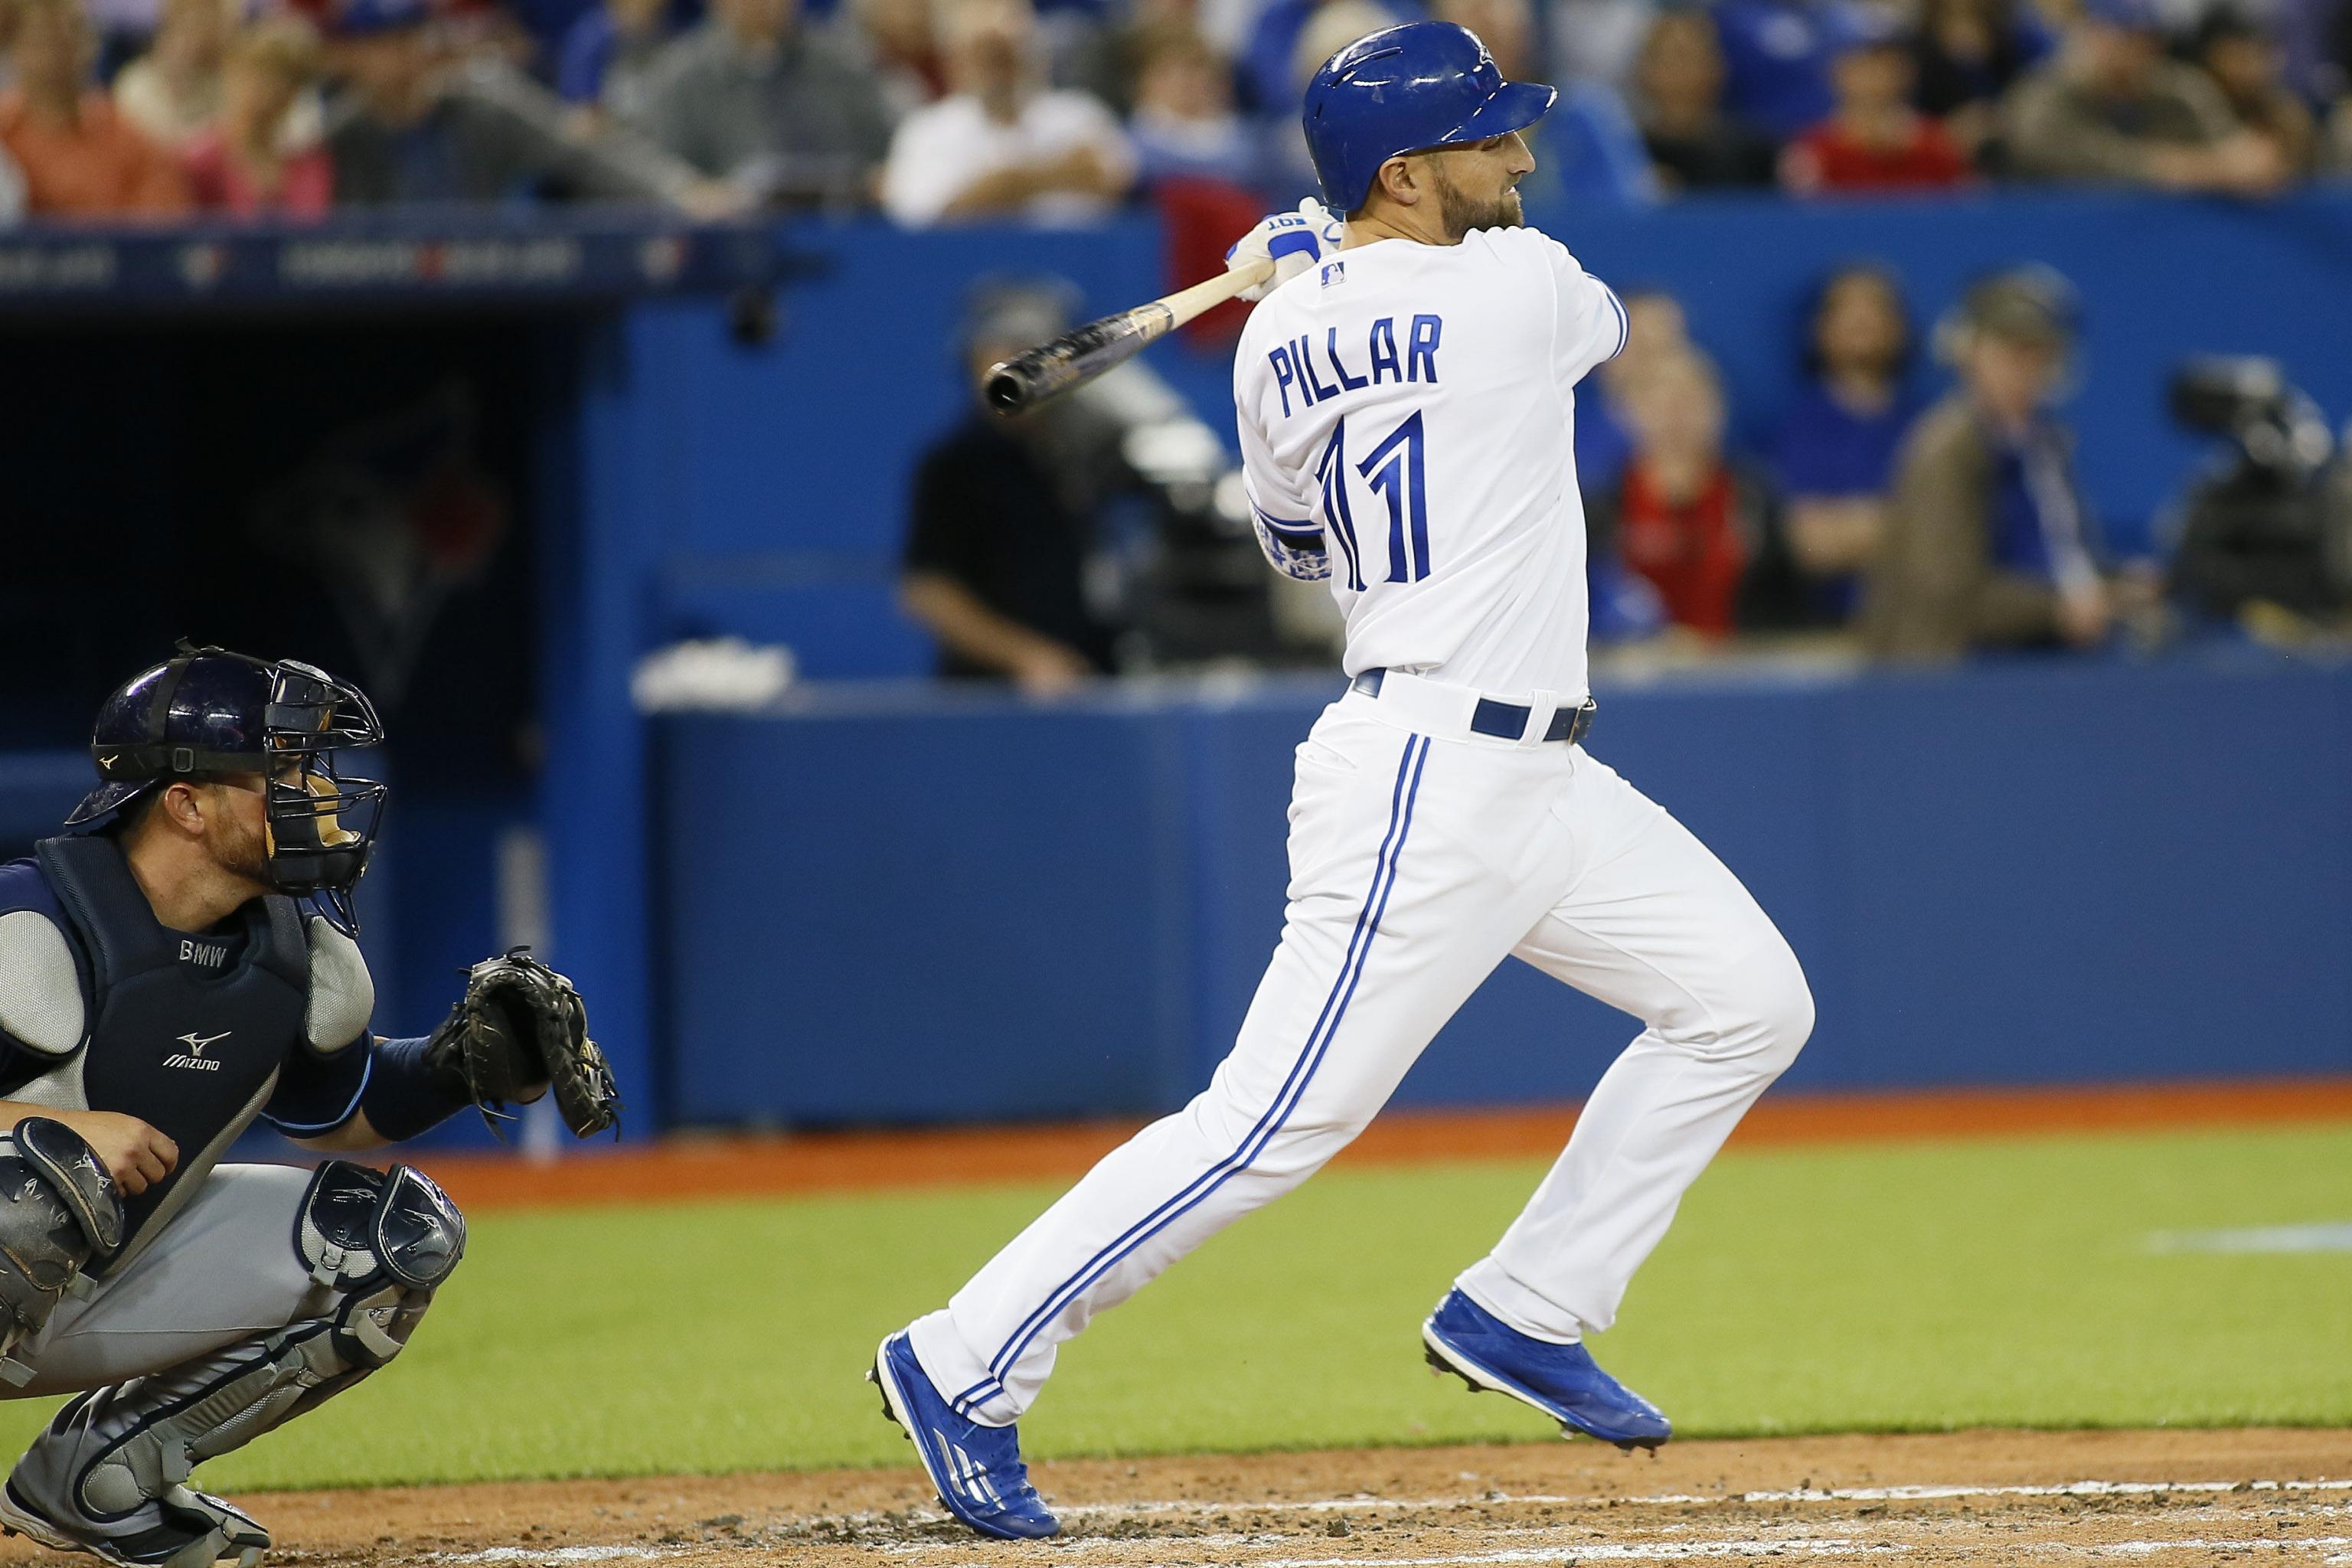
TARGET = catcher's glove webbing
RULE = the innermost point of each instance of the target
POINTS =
(520, 1030)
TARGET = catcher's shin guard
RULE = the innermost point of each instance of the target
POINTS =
(109, 1473)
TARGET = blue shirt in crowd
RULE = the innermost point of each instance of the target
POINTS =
(2040, 525)
(1826, 449)
(1777, 54)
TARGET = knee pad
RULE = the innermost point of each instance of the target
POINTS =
(384, 1240)
(361, 1227)
(57, 1207)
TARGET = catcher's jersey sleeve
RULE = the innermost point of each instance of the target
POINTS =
(44, 998)
(318, 1087)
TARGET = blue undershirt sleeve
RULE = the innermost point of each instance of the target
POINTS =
(317, 1093)
(406, 1096)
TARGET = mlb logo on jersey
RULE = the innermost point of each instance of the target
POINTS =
(1334, 272)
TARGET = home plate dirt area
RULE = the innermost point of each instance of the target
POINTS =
(1975, 1498)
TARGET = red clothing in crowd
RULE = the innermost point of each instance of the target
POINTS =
(1829, 158)
(104, 166)
(306, 182)
(1694, 553)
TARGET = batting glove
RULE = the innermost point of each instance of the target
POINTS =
(1293, 241)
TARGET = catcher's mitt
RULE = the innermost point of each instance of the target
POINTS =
(519, 1029)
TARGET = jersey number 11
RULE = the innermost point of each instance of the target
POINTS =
(1397, 471)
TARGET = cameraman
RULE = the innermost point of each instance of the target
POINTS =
(2266, 530)
(1004, 563)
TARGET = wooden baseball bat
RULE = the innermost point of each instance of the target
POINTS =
(1028, 379)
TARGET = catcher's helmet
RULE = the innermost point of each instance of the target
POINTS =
(208, 713)
(1406, 89)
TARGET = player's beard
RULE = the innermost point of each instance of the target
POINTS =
(1461, 211)
(242, 849)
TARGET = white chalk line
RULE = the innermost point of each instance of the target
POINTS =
(1190, 1507)
(559, 1553)
(2258, 1543)
(2274, 1238)
(1663, 1552)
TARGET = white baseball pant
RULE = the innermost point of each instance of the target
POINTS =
(1420, 857)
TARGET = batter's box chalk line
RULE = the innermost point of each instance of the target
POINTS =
(558, 1554)
(1192, 1507)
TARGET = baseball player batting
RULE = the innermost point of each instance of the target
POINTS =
(1406, 399)
(179, 963)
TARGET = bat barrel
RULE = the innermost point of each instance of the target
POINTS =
(1024, 379)
(1028, 379)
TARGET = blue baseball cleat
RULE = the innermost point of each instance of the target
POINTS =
(1464, 1339)
(977, 1469)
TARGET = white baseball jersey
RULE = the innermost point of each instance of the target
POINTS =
(1414, 407)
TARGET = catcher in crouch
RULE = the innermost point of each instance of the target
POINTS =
(180, 962)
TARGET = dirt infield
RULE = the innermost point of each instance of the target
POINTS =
(748, 1166)
(1969, 1498)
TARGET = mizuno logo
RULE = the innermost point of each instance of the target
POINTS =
(193, 1058)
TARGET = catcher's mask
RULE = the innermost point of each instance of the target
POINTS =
(209, 712)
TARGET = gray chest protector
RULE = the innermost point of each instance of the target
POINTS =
(192, 1052)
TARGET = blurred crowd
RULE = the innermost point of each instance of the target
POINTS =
(939, 111)
(1918, 500)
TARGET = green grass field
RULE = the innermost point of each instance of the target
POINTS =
(1918, 1288)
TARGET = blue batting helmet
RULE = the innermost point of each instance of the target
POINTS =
(1406, 89)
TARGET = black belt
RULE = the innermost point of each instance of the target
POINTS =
(1503, 721)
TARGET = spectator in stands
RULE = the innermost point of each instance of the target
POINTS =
(1968, 53)
(1003, 145)
(1292, 38)
(1693, 144)
(607, 59)
(174, 90)
(1778, 53)
(80, 157)
(1184, 125)
(1109, 61)
(2249, 69)
(1988, 542)
(1003, 531)
(2109, 105)
(759, 97)
(1875, 140)
(1683, 516)
(1597, 41)
(1835, 452)
(411, 127)
(1655, 333)
(248, 164)
(902, 45)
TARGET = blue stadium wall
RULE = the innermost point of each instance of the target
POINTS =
(2022, 874)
